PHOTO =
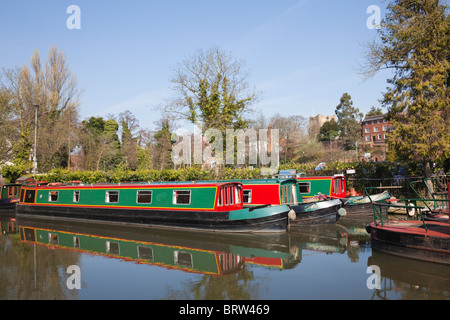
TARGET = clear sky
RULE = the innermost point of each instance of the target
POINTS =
(302, 54)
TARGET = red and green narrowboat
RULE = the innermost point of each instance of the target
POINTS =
(286, 191)
(179, 250)
(207, 206)
(9, 195)
(312, 187)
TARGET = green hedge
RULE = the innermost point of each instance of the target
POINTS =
(364, 170)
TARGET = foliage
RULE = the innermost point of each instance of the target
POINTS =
(328, 131)
(13, 172)
(374, 112)
(415, 44)
(211, 90)
(349, 119)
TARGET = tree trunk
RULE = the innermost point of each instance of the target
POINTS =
(427, 175)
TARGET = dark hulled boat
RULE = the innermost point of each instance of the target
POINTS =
(9, 195)
(417, 239)
(260, 192)
(206, 207)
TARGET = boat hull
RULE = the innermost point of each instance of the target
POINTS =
(322, 212)
(267, 219)
(363, 205)
(7, 204)
(411, 240)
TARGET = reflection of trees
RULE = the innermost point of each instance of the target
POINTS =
(241, 285)
(35, 272)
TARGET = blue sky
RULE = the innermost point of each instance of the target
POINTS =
(302, 55)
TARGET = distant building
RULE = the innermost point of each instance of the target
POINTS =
(374, 132)
(316, 122)
(375, 129)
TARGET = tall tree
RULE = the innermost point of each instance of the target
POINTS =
(348, 120)
(100, 143)
(414, 42)
(163, 145)
(211, 89)
(52, 91)
(129, 147)
(291, 130)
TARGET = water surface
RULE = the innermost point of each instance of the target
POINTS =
(38, 258)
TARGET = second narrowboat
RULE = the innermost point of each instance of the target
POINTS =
(9, 195)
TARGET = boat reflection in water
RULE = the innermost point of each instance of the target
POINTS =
(214, 254)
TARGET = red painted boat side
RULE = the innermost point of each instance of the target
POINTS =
(264, 193)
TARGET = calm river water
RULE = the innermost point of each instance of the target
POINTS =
(63, 260)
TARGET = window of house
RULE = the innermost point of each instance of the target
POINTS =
(112, 196)
(368, 138)
(375, 129)
(181, 197)
(144, 196)
(384, 128)
(53, 196)
(367, 130)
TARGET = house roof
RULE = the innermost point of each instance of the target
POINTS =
(372, 118)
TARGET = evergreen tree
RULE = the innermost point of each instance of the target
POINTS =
(328, 131)
(415, 44)
(349, 119)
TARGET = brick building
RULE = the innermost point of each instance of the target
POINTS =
(374, 132)
(375, 129)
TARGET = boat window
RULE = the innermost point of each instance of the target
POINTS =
(181, 196)
(294, 194)
(304, 187)
(183, 259)
(22, 193)
(226, 198)
(337, 186)
(247, 196)
(11, 192)
(76, 196)
(29, 234)
(112, 196)
(220, 201)
(112, 248)
(145, 252)
(53, 196)
(76, 242)
(230, 190)
(144, 196)
(237, 194)
(29, 196)
(53, 238)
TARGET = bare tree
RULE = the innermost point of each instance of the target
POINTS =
(211, 88)
(51, 91)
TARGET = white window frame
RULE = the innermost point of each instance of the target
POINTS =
(151, 196)
(174, 197)
(107, 195)
(50, 193)
(249, 195)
